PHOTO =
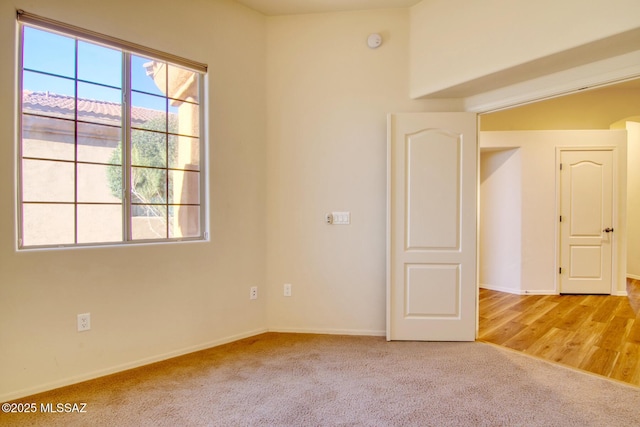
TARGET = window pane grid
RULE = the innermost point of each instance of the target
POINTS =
(45, 73)
(75, 132)
(142, 92)
(70, 203)
(71, 79)
(154, 205)
(148, 130)
(80, 162)
(79, 120)
(106, 86)
(135, 166)
(113, 148)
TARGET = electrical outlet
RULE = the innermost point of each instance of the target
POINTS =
(84, 322)
(287, 289)
(253, 292)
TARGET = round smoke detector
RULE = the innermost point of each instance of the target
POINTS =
(374, 41)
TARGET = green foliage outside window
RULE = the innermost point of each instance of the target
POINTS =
(152, 153)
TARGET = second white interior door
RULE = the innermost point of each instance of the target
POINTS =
(587, 228)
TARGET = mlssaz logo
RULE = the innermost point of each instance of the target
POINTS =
(63, 407)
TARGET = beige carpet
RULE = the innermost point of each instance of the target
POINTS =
(320, 380)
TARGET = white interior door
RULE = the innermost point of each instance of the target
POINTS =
(586, 227)
(432, 206)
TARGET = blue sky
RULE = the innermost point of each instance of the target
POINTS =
(98, 65)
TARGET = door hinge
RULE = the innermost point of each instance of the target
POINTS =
(560, 270)
(560, 166)
(560, 218)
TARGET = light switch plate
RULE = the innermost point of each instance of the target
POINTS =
(341, 218)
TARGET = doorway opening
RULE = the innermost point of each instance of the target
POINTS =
(514, 315)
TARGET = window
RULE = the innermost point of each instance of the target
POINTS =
(111, 146)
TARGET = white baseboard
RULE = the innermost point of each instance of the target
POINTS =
(518, 291)
(125, 366)
(362, 332)
(538, 292)
(633, 276)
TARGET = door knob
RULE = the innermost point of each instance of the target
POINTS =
(608, 230)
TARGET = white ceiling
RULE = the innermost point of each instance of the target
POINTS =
(291, 7)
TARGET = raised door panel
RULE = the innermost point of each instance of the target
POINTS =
(433, 190)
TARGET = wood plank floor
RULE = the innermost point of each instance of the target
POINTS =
(596, 333)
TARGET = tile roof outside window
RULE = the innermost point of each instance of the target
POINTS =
(54, 105)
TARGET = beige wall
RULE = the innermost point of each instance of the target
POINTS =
(153, 301)
(328, 97)
(500, 222)
(477, 38)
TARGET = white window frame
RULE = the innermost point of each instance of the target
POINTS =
(128, 49)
